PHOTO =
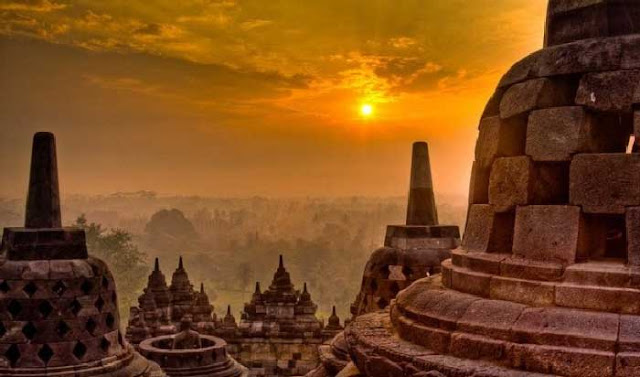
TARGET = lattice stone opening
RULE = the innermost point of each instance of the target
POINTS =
(105, 282)
(14, 308)
(99, 303)
(104, 344)
(110, 320)
(29, 330)
(373, 285)
(45, 354)
(382, 303)
(30, 289)
(407, 271)
(395, 288)
(62, 328)
(79, 350)
(75, 307)
(45, 309)
(13, 354)
(59, 288)
(4, 287)
(91, 326)
(86, 287)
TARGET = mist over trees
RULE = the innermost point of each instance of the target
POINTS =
(230, 243)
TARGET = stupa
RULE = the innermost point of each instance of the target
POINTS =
(411, 251)
(161, 308)
(278, 333)
(547, 280)
(59, 313)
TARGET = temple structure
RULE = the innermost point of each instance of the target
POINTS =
(278, 333)
(59, 305)
(410, 251)
(162, 307)
(547, 280)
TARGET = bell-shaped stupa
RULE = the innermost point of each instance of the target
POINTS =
(59, 311)
(547, 280)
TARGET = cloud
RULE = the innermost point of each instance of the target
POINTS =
(43, 6)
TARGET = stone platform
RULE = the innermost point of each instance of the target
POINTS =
(211, 360)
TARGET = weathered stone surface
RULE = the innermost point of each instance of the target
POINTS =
(567, 328)
(488, 231)
(605, 299)
(562, 361)
(605, 273)
(522, 268)
(535, 94)
(511, 183)
(608, 91)
(581, 56)
(629, 338)
(605, 183)
(633, 235)
(479, 184)
(491, 318)
(548, 233)
(474, 283)
(476, 347)
(499, 138)
(556, 134)
(527, 292)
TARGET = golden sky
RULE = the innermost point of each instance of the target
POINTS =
(253, 97)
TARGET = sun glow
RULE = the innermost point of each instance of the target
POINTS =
(366, 110)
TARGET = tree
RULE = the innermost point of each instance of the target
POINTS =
(127, 263)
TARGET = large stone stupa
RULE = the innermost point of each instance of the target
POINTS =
(547, 280)
(58, 305)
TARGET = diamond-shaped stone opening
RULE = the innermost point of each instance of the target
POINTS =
(3, 330)
(13, 354)
(104, 344)
(99, 304)
(59, 288)
(79, 350)
(91, 325)
(45, 309)
(45, 354)
(75, 307)
(114, 296)
(86, 287)
(120, 339)
(14, 308)
(4, 287)
(29, 330)
(105, 282)
(30, 289)
(62, 329)
(395, 288)
(110, 320)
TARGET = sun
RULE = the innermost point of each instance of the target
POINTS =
(366, 110)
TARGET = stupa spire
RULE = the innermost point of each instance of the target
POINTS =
(421, 209)
(156, 266)
(43, 201)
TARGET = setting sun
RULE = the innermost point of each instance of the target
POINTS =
(366, 110)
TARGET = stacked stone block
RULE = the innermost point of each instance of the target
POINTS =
(546, 282)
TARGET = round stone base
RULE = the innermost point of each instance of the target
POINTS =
(129, 364)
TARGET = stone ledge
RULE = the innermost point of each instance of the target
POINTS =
(42, 244)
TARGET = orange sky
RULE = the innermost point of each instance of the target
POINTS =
(253, 97)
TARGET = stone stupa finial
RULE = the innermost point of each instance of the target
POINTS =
(43, 200)
(421, 209)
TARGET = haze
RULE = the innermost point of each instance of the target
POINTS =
(253, 97)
